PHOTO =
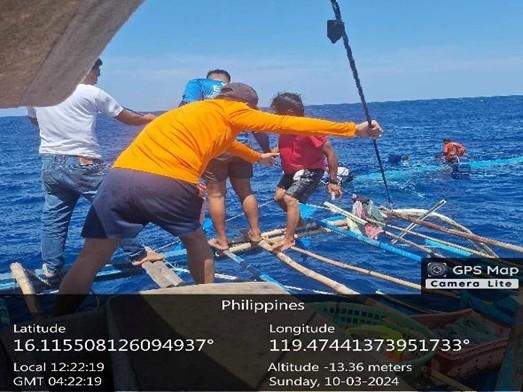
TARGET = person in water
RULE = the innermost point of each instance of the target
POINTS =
(155, 179)
(237, 170)
(72, 165)
(303, 163)
(402, 160)
(452, 151)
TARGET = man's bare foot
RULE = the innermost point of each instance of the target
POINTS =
(219, 245)
(151, 256)
(254, 236)
(283, 245)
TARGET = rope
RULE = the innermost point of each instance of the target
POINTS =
(337, 14)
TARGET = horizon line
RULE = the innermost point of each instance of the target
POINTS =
(328, 104)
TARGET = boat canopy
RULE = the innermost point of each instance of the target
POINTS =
(46, 47)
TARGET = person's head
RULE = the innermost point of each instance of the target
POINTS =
(288, 104)
(404, 157)
(219, 74)
(445, 141)
(94, 73)
(239, 92)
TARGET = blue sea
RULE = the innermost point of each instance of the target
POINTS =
(489, 202)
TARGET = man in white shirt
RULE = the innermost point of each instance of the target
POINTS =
(72, 165)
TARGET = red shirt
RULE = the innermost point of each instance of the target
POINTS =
(301, 152)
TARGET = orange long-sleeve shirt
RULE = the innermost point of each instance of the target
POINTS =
(180, 143)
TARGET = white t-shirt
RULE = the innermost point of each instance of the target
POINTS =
(69, 127)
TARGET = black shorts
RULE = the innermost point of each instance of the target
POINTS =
(127, 200)
(225, 166)
(304, 186)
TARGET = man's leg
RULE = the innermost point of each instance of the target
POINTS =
(216, 205)
(279, 195)
(79, 279)
(242, 187)
(215, 177)
(94, 255)
(293, 219)
(299, 191)
(199, 256)
(59, 203)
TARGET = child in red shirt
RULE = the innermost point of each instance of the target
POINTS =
(303, 164)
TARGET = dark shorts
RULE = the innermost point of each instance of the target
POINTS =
(304, 186)
(225, 166)
(127, 200)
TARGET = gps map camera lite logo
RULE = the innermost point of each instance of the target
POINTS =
(470, 274)
(436, 269)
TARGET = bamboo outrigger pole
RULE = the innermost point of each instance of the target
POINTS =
(365, 271)
(343, 212)
(277, 234)
(416, 212)
(32, 302)
(336, 286)
(470, 236)
(249, 267)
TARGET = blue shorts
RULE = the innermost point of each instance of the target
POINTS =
(128, 200)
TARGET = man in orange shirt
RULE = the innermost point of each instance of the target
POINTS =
(155, 179)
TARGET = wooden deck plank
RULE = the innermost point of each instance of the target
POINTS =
(162, 275)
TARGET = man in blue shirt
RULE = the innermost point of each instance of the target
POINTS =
(201, 89)
(226, 166)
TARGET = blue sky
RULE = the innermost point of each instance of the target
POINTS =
(405, 49)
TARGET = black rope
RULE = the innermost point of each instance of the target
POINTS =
(337, 30)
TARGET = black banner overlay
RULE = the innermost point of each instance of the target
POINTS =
(269, 342)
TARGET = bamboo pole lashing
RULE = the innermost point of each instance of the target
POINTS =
(412, 226)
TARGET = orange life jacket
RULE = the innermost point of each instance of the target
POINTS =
(454, 149)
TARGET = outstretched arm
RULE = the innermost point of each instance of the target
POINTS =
(256, 120)
(251, 156)
(131, 118)
(242, 151)
(108, 105)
